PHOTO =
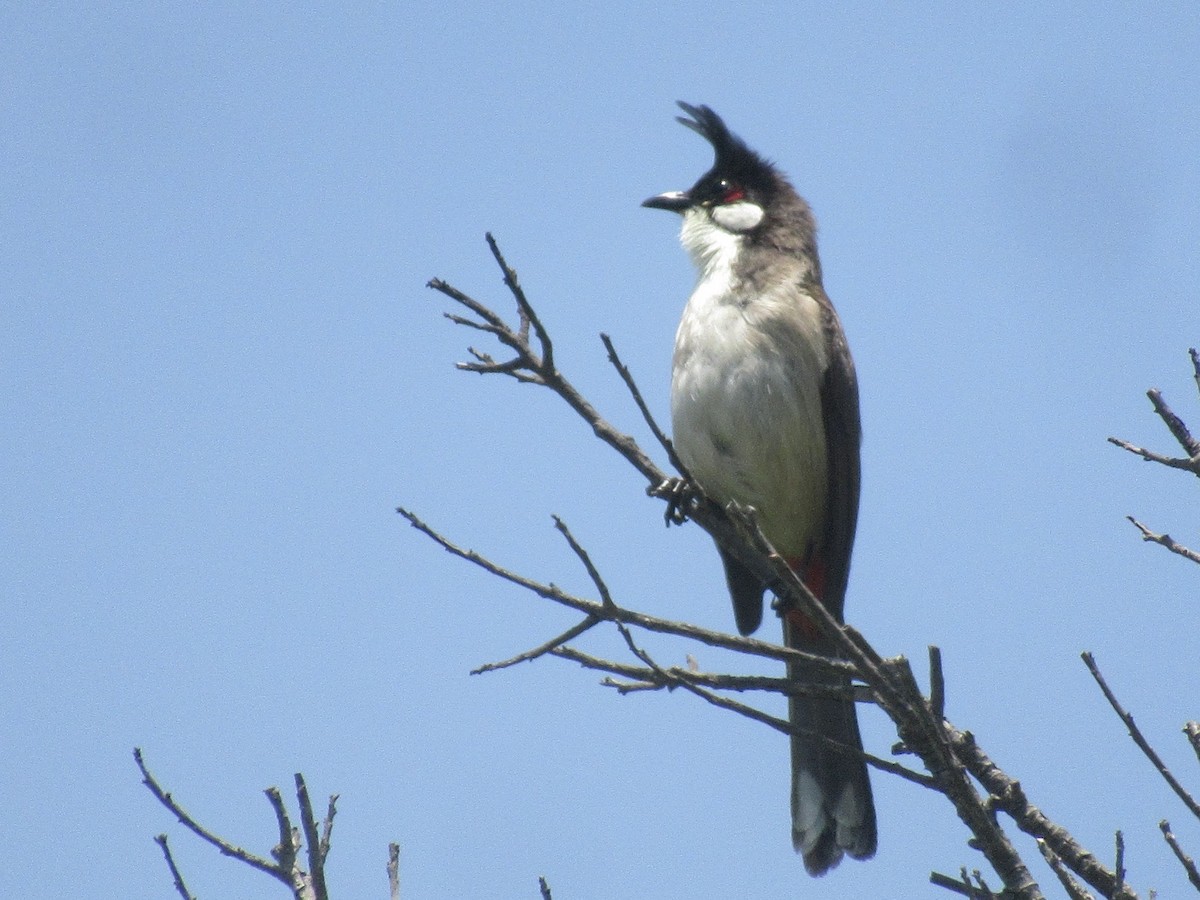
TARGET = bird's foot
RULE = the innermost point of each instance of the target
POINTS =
(681, 496)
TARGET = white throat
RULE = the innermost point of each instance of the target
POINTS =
(711, 247)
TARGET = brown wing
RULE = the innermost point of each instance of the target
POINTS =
(832, 808)
(843, 437)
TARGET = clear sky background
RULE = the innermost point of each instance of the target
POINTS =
(220, 371)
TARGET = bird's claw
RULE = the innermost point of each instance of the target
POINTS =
(681, 495)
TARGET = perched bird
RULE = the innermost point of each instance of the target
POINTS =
(764, 409)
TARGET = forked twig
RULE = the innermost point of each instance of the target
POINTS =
(304, 885)
(614, 613)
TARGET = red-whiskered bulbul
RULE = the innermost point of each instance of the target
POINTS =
(764, 409)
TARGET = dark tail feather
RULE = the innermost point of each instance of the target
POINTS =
(746, 591)
(832, 809)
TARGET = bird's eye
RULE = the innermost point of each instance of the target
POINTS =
(730, 192)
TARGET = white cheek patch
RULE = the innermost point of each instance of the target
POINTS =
(738, 217)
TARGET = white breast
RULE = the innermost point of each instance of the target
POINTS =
(745, 393)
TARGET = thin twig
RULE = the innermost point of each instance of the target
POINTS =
(1177, 427)
(544, 888)
(792, 593)
(540, 366)
(681, 678)
(1174, 462)
(968, 888)
(542, 649)
(723, 682)
(588, 565)
(526, 310)
(626, 376)
(1139, 739)
(176, 875)
(1165, 540)
(1074, 889)
(285, 850)
(185, 818)
(1119, 864)
(951, 884)
(650, 679)
(327, 826)
(937, 683)
(982, 891)
(1189, 865)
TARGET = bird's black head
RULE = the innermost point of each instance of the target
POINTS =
(739, 177)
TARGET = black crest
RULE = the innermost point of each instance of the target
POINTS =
(733, 158)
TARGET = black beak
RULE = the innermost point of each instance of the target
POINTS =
(673, 201)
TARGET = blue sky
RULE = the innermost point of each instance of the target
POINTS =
(221, 372)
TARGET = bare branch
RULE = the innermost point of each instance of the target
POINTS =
(317, 846)
(525, 310)
(289, 840)
(951, 884)
(532, 365)
(1073, 888)
(658, 433)
(1191, 464)
(937, 683)
(327, 825)
(651, 679)
(1139, 739)
(176, 875)
(542, 649)
(1189, 865)
(1179, 430)
(1165, 540)
(974, 889)
(287, 851)
(614, 613)
(544, 888)
(646, 678)
(1119, 865)
(593, 572)
(286, 868)
(1007, 795)
(185, 818)
(393, 870)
